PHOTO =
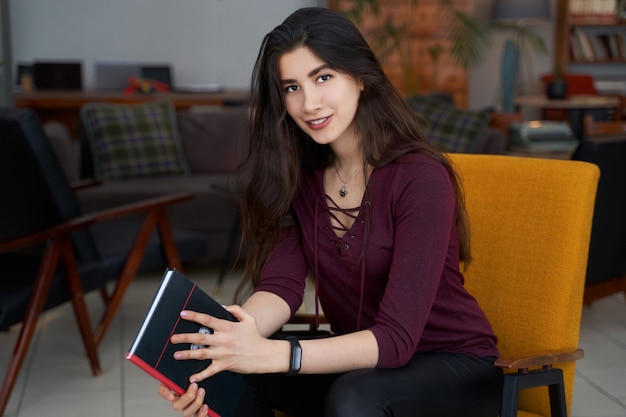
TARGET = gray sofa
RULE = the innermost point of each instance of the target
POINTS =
(214, 142)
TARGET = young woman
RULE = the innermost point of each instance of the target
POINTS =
(341, 182)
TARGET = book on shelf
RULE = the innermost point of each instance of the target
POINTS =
(575, 48)
(611, 45)
(153, 352)
(621, 43)
(599, 51)
(597, 45)
(586, 50)
(593, 11)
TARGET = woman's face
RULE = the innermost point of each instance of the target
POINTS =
(320, 100)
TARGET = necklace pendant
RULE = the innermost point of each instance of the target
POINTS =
(343, 191)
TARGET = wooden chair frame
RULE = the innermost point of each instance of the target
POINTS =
(59, 250)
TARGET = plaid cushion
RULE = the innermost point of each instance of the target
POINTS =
(451, 129)
(130, 141)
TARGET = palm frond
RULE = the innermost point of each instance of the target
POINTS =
(469, 37)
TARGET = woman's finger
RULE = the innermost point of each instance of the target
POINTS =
(185, 401)
(194, 409)
(166, 393)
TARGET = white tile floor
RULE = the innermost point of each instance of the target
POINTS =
(56, 380)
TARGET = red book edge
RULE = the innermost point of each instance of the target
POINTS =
(161, 378)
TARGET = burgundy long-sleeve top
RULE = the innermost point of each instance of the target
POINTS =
(406, 287)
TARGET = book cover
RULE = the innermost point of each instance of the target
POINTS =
(585, 45)
(153, 352)
(599, 51)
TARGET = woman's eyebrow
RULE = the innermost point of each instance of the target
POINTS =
(318, 69)
(311, 73)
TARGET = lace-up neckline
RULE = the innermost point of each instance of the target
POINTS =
(339, 227)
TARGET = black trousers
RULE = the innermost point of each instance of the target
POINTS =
(430, 385)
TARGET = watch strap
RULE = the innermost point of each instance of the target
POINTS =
(295, 358)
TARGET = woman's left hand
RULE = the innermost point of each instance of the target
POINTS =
(189, 404)
(233, 346)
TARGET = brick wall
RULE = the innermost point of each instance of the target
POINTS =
(412, 69)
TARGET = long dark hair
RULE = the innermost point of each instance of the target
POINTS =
(280, 150)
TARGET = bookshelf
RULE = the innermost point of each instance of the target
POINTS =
(591, 38)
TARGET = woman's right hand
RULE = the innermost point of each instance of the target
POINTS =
(190, 404)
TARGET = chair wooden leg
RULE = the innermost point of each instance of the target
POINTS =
(128, 274)
(80, 308)
(154, 218)
(104, 294)
(38, 297)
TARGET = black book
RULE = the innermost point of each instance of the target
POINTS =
(153, 352)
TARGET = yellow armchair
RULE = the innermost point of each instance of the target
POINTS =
(530, 224)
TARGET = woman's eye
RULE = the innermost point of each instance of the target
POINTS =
(323, 78)
(291, 88)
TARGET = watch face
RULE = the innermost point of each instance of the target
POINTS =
(203, 330)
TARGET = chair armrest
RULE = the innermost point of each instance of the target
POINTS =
(138, 207)
(90, 219)
(539, 359)
(308, 319)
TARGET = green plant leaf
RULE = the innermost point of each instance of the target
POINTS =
(470, 39)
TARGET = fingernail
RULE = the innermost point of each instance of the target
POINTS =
(193, 380)
(183, 314)
(178, 355)
(204, 409)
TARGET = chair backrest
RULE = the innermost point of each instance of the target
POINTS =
(36, 192)
(530, 222)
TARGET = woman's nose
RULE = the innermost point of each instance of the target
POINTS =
(312, 101)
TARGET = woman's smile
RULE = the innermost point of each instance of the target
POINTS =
(319, 123)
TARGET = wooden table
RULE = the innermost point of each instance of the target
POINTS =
(577, 106)
(64, 106)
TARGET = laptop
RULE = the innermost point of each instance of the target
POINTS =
(161, 73)
(55, 75)
(114, 76)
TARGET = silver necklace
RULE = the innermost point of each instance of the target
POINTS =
(342, 191)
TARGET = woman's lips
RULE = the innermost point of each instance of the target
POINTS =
(319, 123)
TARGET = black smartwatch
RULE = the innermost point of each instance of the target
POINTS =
(295, 359)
